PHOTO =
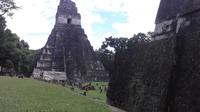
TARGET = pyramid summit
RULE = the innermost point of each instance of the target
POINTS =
(68, 54)
(67, 13)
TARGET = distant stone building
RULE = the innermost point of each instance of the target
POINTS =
(68, 54)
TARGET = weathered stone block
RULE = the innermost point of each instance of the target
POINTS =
(68, 50)
(162, 76)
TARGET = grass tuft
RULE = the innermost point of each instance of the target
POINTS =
(26, 95)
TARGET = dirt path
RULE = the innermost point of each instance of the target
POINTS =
(114, 109)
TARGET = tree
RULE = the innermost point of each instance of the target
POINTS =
(2, 24)
(139, 39)
(6, 7)
(28, 63)
(24, 44)
(9, 64)
(122, 43)
(121, 74)
(15, 50)
(106, 57)
(116, 43)
(14, 53)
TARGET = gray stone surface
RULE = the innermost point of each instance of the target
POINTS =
(162, 76)
(141, 76)
(68, 50)
(172, 8)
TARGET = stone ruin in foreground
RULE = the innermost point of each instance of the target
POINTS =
(164, 75)
(68, 54)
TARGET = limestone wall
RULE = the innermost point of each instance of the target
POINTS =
(172, 8)
(164, 75)
(141, 76)
(161, 76)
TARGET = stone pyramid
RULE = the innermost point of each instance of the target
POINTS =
(68, 54)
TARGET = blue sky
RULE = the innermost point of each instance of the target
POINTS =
(100, 19)
(109, 19)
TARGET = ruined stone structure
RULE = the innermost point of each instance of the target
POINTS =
(68, 54)
(164, 75)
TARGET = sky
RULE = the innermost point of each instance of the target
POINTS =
(100, 19)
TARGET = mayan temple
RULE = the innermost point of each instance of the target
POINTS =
(162, 75)
(176, 16)
(68, 54)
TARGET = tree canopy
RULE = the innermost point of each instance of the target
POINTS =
(15, 53)
(106, 54)
(7, 6)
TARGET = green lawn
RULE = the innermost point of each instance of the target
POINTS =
(95, 94)
(26, 95)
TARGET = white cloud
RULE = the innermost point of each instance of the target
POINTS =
(140, 16)
(32, 23)
(37, 17)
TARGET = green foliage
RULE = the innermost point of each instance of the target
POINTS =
(6, 7)
(15, 50)
(28, 62)
(107, 56)
(124, 43)
(9, 64)
(119, 74)
(139, 39)
(2, 24)
(26, 95)
(116, 43)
